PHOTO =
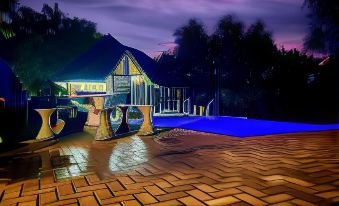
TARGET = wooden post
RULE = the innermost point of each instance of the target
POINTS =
(201, 110)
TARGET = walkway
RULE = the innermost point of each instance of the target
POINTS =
(181, 167)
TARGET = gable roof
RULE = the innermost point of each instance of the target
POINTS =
(122, 59)
(99, 61)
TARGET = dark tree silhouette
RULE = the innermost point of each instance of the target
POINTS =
(257, 79)
(324, 37)
(7, 8)
(192, 53)
(224, 55)
(44, 43)
(244, 69)
(226, 48)
(324, 26)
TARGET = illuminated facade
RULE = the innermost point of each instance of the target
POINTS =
(76, 87)
(127, 75)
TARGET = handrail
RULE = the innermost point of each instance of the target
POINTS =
(189, 106)
(208, 107)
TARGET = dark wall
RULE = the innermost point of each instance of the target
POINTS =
(11, 88)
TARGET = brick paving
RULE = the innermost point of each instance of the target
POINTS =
(184, 168)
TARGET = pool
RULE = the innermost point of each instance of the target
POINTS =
(238, 127)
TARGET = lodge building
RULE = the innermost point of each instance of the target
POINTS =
(124, 74)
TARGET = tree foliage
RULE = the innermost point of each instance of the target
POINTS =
(192, 52)
(225, 50)
(258, 80)
(324, 26)
(7, 8)
(44, 43)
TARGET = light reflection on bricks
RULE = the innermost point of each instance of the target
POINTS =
(190, 168)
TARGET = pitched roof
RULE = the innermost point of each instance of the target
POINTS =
(99, 61)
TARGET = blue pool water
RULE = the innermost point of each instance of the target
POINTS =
(238, 127)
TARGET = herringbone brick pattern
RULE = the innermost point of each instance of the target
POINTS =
(195, 169)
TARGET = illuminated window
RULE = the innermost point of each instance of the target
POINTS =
(94, 87)
(101, 88)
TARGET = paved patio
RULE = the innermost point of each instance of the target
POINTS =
(181, 167)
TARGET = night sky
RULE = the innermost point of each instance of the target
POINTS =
(148, 25)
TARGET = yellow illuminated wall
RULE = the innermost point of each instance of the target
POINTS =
(120, 68)
(132, 67)
(72, 87)
(133, 70)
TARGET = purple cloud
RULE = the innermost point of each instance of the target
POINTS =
(148, 24)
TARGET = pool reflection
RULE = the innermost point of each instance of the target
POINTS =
(134, 118)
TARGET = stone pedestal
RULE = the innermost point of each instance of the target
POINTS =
(147, 125)
(104, 131)
(45, 131)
